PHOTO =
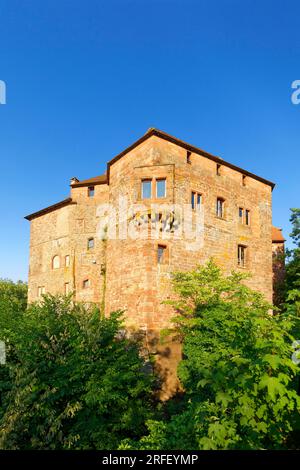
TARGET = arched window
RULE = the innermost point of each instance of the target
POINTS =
(56, 262)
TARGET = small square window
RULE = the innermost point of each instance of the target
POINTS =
(161, 254)
(161, 188)
(146, 189)
(91, 191)
(241, 256)
(220, 207)
(86, 284)
(91, 243)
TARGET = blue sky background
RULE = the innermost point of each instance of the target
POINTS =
(87, 78)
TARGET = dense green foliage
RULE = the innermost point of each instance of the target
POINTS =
(236, 370)
(293, 267)
(73, 380)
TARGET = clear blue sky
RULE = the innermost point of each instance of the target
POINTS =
(87, 78)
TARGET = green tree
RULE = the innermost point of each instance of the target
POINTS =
(77, 381)
(13, 303)
(293, 267)
(236, 370)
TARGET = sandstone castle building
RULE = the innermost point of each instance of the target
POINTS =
(78, 246)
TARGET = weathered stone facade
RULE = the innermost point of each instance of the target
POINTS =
(67, 254)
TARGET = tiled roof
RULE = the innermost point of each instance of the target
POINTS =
(102, 179)
(277, 236)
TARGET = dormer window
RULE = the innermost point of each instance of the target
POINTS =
(91, 191)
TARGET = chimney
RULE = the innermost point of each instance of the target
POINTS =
(74, 180)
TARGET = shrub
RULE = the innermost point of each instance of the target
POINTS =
(236, 370)
(75, 381)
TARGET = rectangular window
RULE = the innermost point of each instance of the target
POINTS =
(161, 188)
(188, 156)
(220, 207)
(193, 200)
(241, 256)
(241, 215)
(146, 189)
(247, 217)
(91, 243)
(196, 200)
(244, 180)
(161, 253)
(67, 261)
(67, 288)
(91, 191)
(86, 284)
(41, 291)
(218, 169)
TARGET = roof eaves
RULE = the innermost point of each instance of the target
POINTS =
(191, 148)
(58, 205)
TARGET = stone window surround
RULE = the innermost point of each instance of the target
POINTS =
(246, 215)
(242, 256)
(153, 181)
(223, 208)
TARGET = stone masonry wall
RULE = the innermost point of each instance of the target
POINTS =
(135, 281)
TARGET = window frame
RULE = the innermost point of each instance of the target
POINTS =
(157, 180)
(247, 217)
(86, 284)
(91, 240)
(222, 201)
(41, 291)
(195, 205)
(146, 180)
(163, 258)
(91, 191)
(242, 260)
(59, 264)
(241, 217)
